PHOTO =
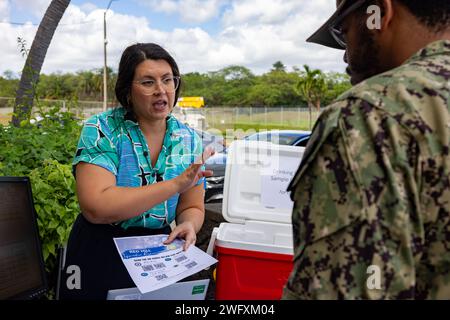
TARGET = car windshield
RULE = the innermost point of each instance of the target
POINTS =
(283, 139)
(211, 140)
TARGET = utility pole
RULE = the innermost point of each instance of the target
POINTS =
(105, 66)
(105, 78)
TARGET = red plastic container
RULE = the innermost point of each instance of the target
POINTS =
(251, 275)
(254, 247)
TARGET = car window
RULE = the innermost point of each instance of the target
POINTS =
(211, 140)
(274, 138)
(285, 140)
(257, 137)
(302, 142)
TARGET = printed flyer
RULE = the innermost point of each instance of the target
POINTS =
(153, 265)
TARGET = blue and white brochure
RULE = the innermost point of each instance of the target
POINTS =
(153, 265)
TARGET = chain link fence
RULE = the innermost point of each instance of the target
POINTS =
(221, 118)
(83, 109)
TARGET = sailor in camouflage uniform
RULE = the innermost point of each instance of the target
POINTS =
(372, 194)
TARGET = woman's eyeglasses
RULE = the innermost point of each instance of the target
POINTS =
(167, 84)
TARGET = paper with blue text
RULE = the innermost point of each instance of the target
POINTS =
(153, 265)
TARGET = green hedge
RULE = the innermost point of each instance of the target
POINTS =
(56, 206)
(43, 150)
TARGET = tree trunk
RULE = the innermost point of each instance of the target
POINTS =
(310, 115)
(30, 73)
(318, 105)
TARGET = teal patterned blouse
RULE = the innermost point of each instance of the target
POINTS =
(114, 141)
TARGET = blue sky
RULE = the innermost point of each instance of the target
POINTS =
(203, 35)
(162, 20)
(158, 19)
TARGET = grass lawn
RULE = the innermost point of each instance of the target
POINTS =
(286, 120)
(261, 126)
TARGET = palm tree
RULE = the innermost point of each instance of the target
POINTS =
(35, 59)
(85, 84)
(312, 86)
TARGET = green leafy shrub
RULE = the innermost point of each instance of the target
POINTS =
(43, 149)
(51, 135)
(56, 206)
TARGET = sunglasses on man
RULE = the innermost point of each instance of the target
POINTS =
(336, 28)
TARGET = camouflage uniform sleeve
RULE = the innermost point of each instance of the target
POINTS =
(343, 249)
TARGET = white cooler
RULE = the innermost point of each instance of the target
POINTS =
(255, 248)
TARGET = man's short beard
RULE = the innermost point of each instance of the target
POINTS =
(365, 63)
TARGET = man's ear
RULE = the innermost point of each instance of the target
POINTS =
(387, 13)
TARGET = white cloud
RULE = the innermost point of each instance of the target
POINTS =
(11, 57)
(4, 10)
(88, 7)
(255, 41)
(260, 11)
(35, 7)
(190, 11)
(167, 6)
(265, 31)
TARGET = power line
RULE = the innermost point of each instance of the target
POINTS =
(16, 23)
(37, 24)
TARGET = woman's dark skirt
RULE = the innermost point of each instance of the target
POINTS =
(91, 247)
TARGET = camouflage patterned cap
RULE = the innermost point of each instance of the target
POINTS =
(323, 35)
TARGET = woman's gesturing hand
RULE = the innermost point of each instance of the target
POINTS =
(191, 175)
